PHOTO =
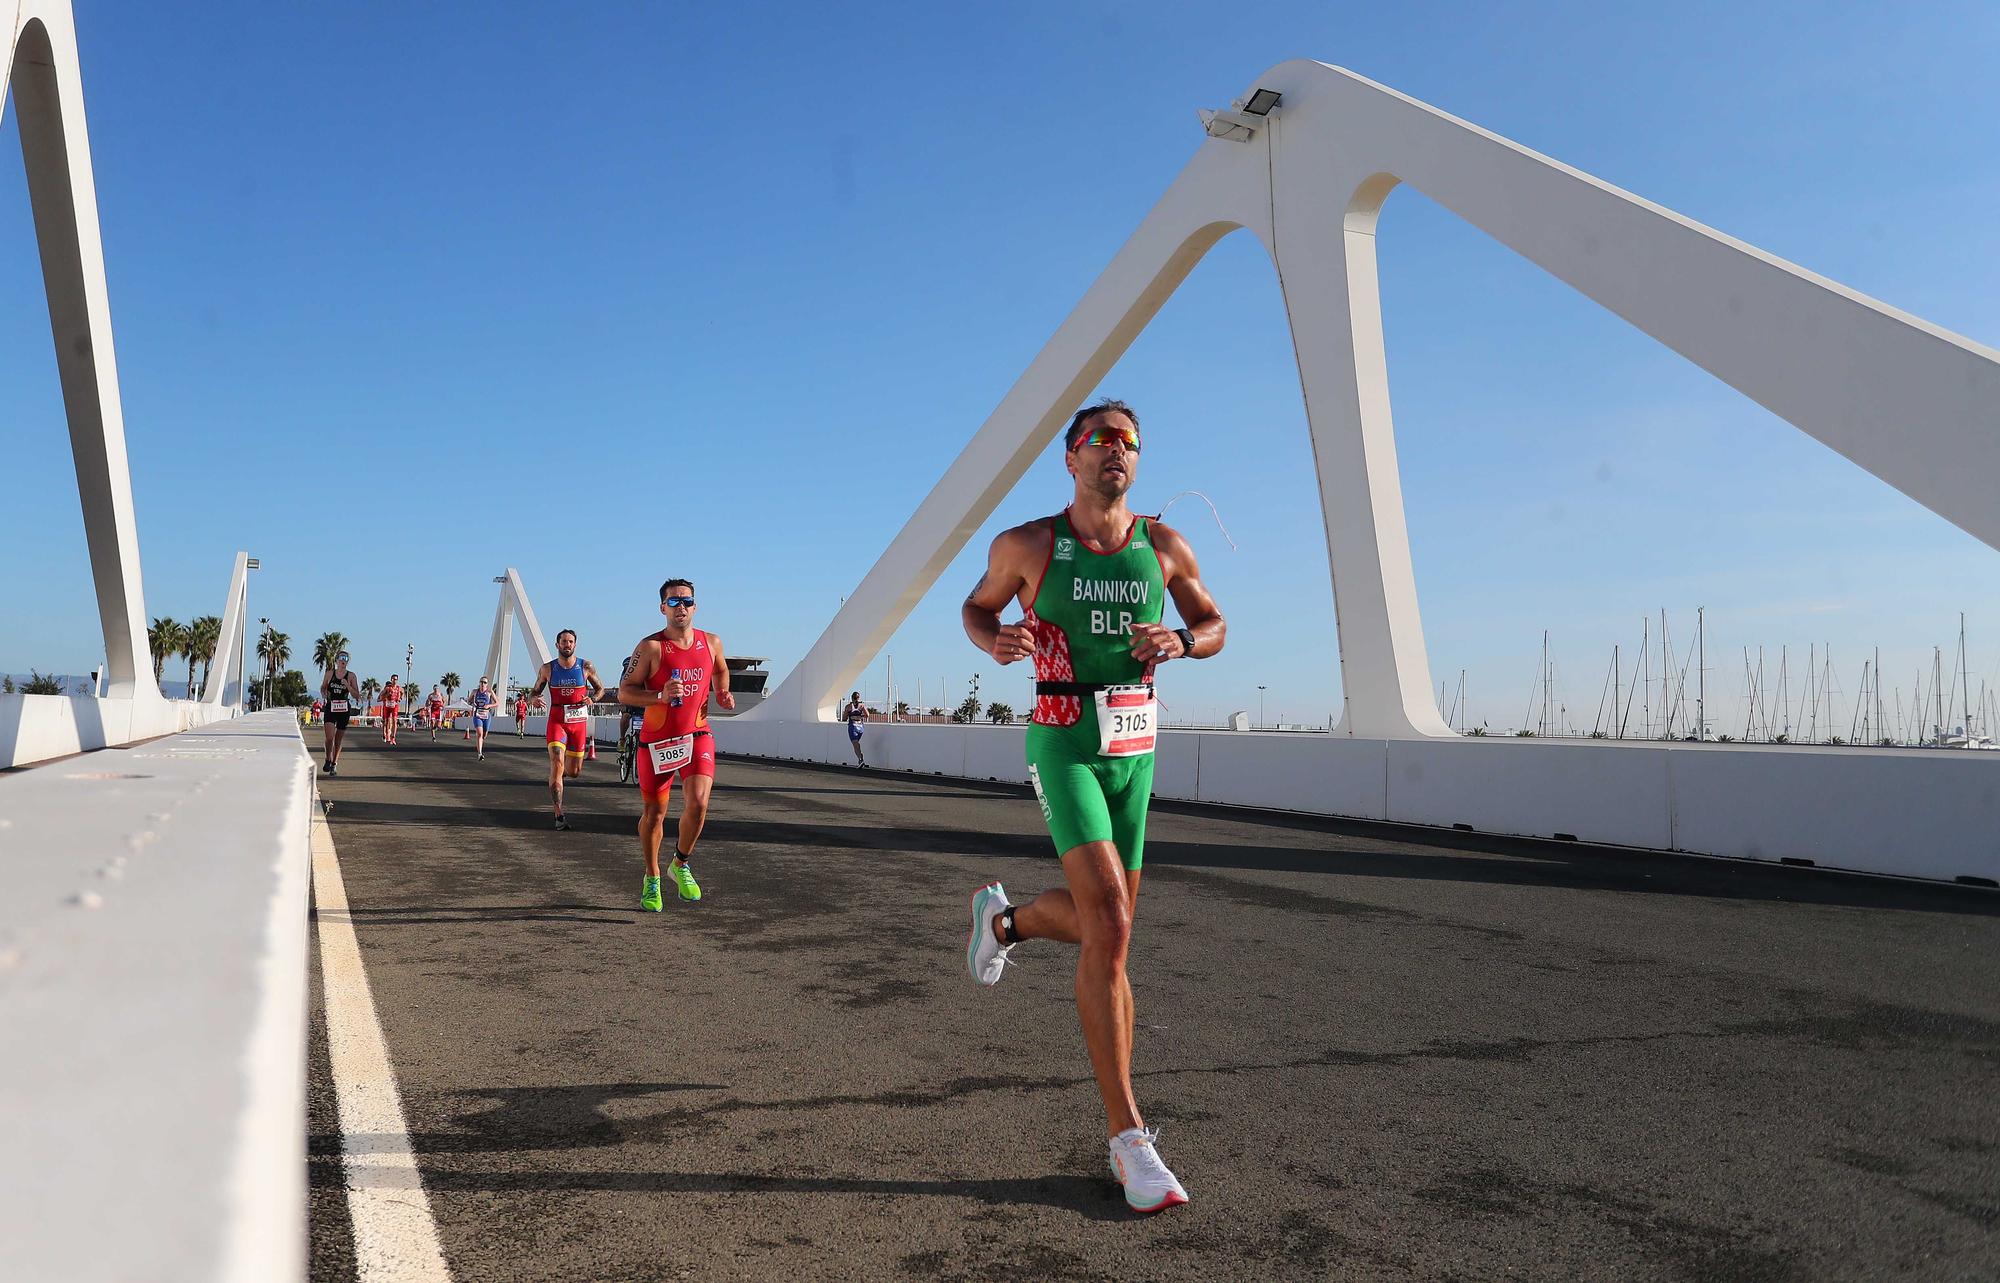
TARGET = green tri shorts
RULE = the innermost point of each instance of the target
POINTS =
(1087, 798)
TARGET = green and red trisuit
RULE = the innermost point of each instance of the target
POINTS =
(1083, 613)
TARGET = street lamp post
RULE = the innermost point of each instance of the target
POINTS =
(1260, 707)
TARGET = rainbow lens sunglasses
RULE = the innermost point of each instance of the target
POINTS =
(1105, 435)
(679, 601)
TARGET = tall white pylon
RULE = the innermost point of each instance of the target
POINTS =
(513, 599)
(41, 66)
(1908, 401)
(225, 685)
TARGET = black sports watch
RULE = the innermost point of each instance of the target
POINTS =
(1187, 642)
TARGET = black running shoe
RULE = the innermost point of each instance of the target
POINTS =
(562, 823)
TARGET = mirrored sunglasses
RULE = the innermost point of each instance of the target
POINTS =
(1105, 436)
(679, 601)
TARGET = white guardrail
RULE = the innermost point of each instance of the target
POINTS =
(37, 728)
(153, 1008)
(1920, 813)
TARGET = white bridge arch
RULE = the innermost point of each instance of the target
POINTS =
(41, 77)
(1910, 402)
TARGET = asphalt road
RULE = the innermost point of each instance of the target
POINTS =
(1372, 1057)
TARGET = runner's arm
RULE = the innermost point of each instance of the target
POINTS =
(541, 683)
(632, 689)
(1153, 642)
(597, 688)
(720, 682)
(1005, 579)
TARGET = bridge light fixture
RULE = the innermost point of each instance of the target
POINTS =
(1240, 123)
(252, 563)
(1229, 126)
(1261, 102)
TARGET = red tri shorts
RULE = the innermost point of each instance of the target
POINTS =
(654, 784)
(570, 735)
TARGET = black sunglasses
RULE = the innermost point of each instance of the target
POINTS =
(678, 601)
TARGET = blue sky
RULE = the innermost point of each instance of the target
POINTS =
(405, 295)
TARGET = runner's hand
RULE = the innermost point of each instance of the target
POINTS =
(726, 699)
(674, 689)
(1012, 642)
(1154, 642)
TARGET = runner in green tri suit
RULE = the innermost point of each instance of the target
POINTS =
(1093, 581)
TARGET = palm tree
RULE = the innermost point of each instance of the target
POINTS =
(275, 649)
(163, 638)
(328, 645)
(190, 644)
(368, 689)
(451, 683)
(207, 636)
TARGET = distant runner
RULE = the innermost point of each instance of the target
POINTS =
(1092, 582)
(669, 680)
(392, 703)
(856, 714)
(338, 688)
(572, 686)
(520, 716)
(434, 711)
(483, 701)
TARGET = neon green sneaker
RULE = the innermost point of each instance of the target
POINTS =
(649, 894)
(684, 879)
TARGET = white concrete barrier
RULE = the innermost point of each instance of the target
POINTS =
(37, 728)
(153, 1009)
(1921, 813)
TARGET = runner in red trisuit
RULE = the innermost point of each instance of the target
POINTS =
(669, 678)
(392, 704)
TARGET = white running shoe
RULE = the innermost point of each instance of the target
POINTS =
(1149, 1186)
(984, 953)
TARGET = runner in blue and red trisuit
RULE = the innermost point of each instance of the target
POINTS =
(572, 686)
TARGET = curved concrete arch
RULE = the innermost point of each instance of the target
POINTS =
(513, 607)
(40, 76)
(1220, 191)
(1908, 401)
(43, 77)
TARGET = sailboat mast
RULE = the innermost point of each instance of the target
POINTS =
(1964, 679)
(1785, 688)
(1700, 674)
(1937, 687)
(1646, 682)
(1881, 731)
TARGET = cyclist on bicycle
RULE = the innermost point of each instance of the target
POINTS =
(629, 721)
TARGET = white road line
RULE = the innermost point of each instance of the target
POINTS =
(394, 1235)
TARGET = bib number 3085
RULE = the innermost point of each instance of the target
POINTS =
(1127, 721)
(671, 755)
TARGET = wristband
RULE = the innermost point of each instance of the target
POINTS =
(1187, 642)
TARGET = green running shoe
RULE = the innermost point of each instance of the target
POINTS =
(649, 894)
(684, 879)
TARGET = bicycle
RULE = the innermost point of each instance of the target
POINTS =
(628, 752)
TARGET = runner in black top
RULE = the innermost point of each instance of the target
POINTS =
(338, 688)
(856, 716)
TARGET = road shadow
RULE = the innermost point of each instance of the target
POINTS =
(1095, 1199)
(1353, 849)
(410, 915)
